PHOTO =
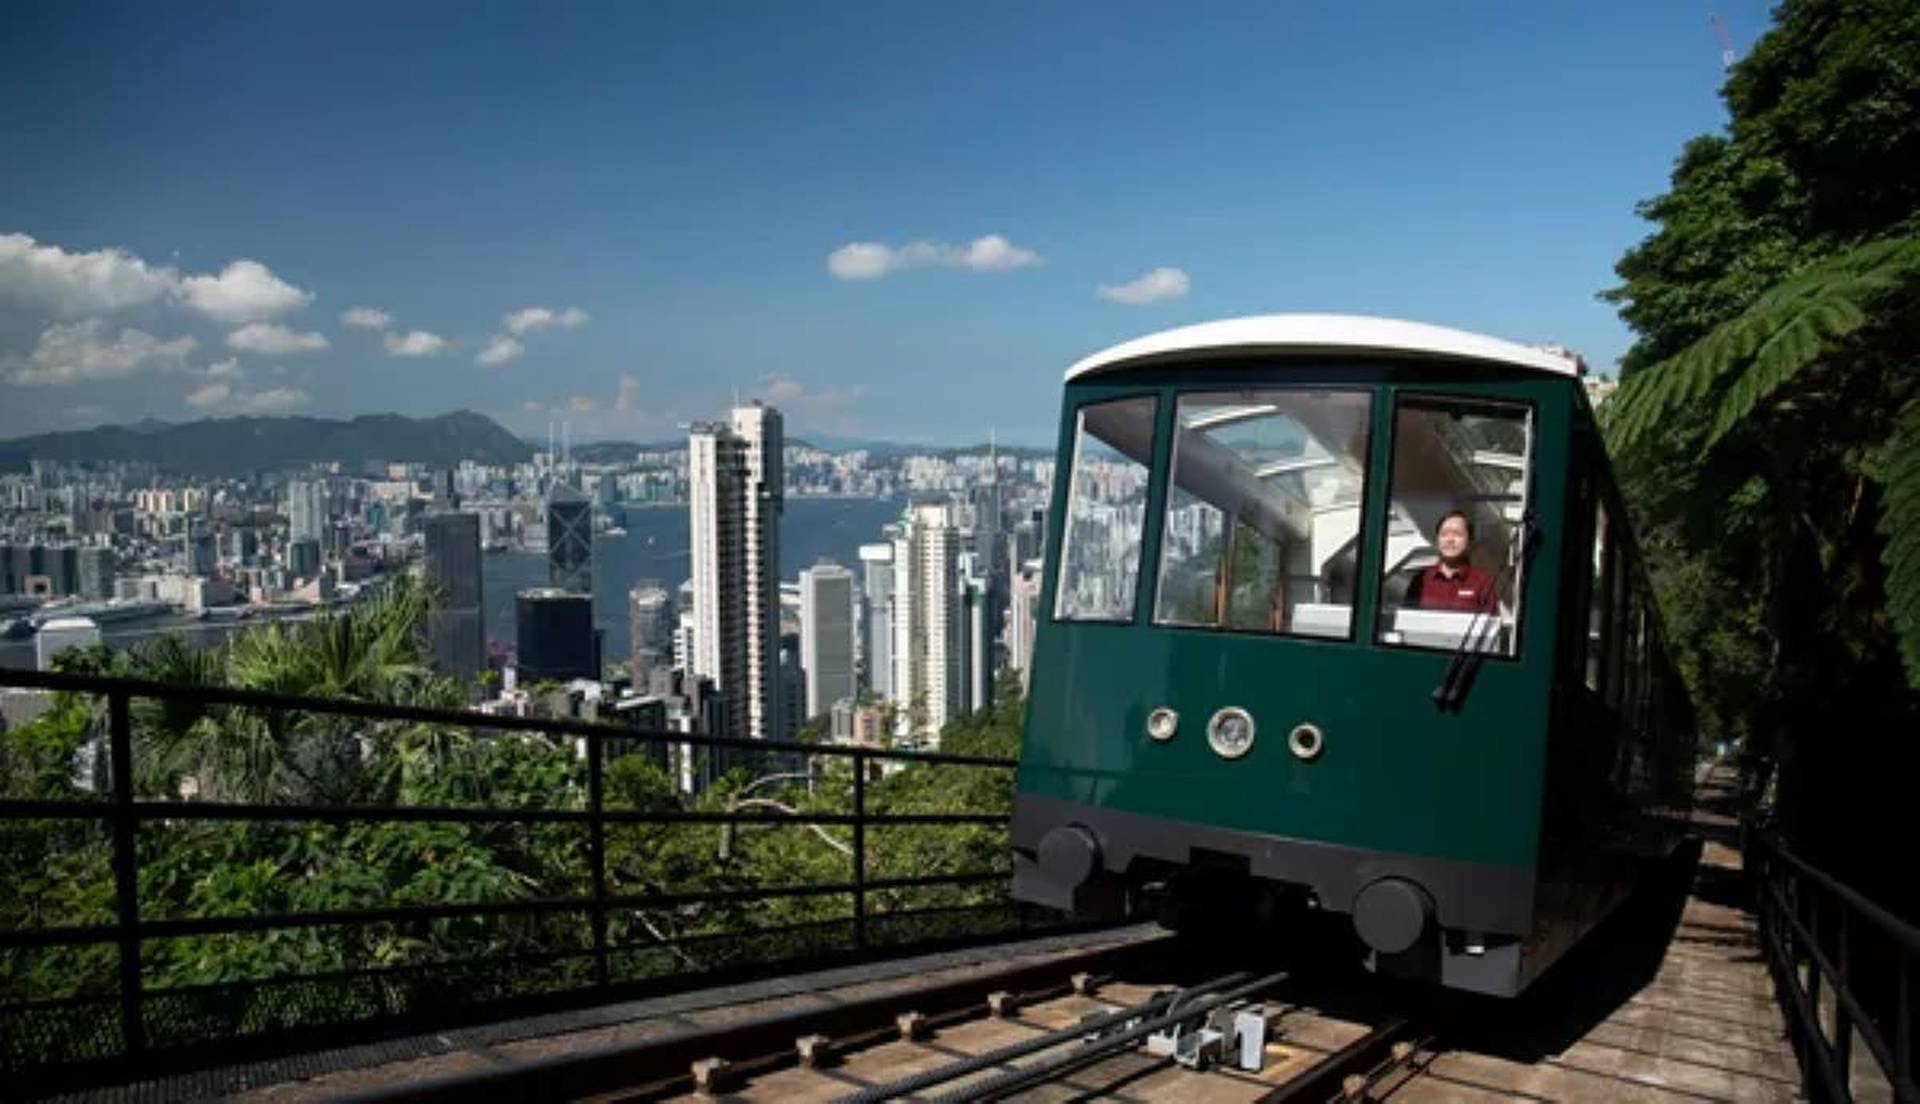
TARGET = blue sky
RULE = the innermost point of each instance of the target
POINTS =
(192, 195)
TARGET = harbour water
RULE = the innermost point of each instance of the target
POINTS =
(654, 548)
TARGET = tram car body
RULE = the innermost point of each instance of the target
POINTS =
(1231, 684)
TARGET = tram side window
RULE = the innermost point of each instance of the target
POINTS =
(1453, 563)
(1106, 511)
(1597, 597)
(1263, 511)
(1616, 637)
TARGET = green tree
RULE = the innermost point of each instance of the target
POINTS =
(1767, 430)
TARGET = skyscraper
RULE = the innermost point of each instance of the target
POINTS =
(734, 475)
(651, 620)
(554, 632)
(1021, 619)
(716, 480)
(928, 663)
(826, 636)
(569, 540)
(977, 602)
(760, 430)
(876, 616)
(96, 573)
(306, 510)
(454, 629)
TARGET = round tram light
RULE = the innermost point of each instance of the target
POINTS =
(1306, 741)
(1230, 732)
(1162, 723)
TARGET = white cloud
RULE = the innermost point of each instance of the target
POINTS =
(829, 408)
(274, 339)
(627, 399)
(500, 349)
(48, 277)
(244, 291)
(276, 400)
(213, 394)
(87, 351)
(225, 369)
(1161, 283)
(872, 260)
(418, 343)
(539, 318)
(365, 318)
(582, 404)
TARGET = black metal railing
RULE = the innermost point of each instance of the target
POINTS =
(123, 814)
(1843, 969)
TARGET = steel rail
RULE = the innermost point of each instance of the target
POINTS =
(625, 1069)
(1021, 1077)
(953, 1071)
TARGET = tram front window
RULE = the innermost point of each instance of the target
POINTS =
(1263, 511)
(1454, 504)
(1106, 511)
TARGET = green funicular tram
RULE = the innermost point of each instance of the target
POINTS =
(1269, 674)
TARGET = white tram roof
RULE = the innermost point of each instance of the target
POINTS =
(1326, 333)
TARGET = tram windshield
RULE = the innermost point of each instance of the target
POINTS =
(1454, 539)
(1106, 511)
(1263, 511)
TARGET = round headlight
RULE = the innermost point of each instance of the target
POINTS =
(1162, 723)
(1230, 732)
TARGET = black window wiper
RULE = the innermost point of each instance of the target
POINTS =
(1465, 662)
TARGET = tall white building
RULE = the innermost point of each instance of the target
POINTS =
(306, 510)
(734, 478)
(761, 431)
(928, 633)
(1022, 618)
(826, 635)
(876, 616)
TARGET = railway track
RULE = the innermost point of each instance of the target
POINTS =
(1143, 1021)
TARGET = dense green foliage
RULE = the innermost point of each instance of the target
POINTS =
(1766, 426)
(59, 871)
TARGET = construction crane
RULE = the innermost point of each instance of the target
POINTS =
(1726, 40)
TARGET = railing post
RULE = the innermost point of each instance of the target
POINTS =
(126, 871)
(597, 853)
(859, 850)
(1903, 1021)
(1842, 1022)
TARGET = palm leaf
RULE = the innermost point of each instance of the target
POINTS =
(1749, 357)
(1900, 524)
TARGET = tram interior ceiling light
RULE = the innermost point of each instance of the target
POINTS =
(1230, 732)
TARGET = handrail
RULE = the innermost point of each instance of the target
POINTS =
(1794, 899)
(216, 694)
(123, 813)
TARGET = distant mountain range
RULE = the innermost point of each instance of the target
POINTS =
(606, 452)
(222, 446)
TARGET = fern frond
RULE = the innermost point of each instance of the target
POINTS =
(1900, 524)
(1787, 328)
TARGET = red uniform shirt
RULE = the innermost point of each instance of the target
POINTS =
(1468, 590)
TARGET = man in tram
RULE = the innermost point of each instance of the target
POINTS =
(1453, 584)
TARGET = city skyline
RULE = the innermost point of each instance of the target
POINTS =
(692, 232)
